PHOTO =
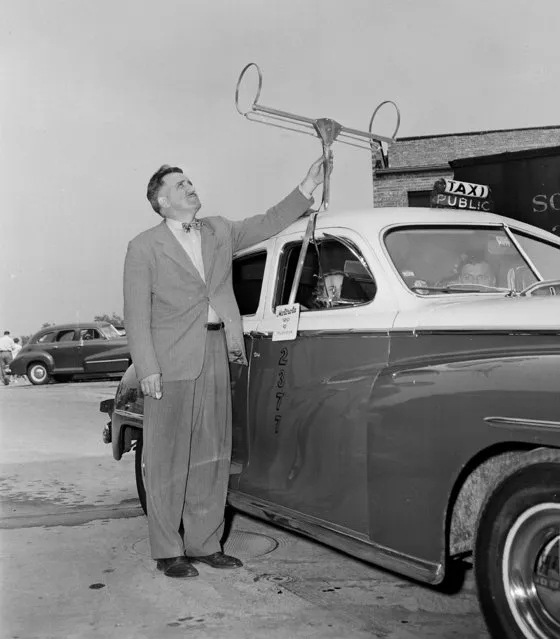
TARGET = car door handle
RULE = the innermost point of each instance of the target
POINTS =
(411, 376)
(257, 334)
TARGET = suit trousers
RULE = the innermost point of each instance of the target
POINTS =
(187, 455)
(5, 359)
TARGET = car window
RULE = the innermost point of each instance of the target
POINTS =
(544, 255)
(247, 274)
(46, 338)
(89, 333)
(65, 336)
(110, 332)
(332, 276)
(436, 260)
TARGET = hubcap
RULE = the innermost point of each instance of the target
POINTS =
(39, 373)
(531, 571)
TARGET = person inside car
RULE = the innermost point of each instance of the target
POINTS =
(476, 270)
(328, 289)
(336, 287)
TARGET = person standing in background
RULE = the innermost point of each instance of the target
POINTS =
(6, 349)
(17, 348)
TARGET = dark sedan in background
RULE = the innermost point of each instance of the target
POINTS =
(61, 352)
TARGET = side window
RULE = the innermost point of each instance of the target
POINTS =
(332, 276)
(89, 333)
(46, 338)
(247, 274)
(65, 336)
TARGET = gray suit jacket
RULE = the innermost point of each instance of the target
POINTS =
(166, 301)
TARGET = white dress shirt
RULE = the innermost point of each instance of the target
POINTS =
(6, 343)
(192, 245)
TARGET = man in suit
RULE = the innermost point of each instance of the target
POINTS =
(183, 324)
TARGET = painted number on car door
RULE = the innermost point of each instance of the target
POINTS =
(280, 383)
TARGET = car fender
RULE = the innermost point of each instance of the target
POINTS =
(19, 365)
(432, 415)
(476, 486)
(125, 430)
(127, 415)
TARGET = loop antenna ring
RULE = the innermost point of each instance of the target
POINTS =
(257, 96)
(398, 116)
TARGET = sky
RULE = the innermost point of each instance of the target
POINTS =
(96, 95)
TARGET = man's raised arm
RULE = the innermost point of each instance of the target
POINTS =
(253, 230)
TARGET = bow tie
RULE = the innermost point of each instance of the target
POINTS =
(195, 224)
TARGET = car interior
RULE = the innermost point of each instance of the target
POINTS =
(324, 258)
(433, 257)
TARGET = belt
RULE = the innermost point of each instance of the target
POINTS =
(11, 351)
(214, 326)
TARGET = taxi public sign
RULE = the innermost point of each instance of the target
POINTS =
(453, 194)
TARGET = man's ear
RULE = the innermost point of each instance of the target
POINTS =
(163, 202)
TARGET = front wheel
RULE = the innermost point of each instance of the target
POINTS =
(38, 374)
(139, 472)
(517, 555)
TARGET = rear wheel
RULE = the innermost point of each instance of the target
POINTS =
(139, 472)
(38, 374)
(517, 555)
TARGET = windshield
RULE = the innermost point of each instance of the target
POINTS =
(443, 260)
(110, 331)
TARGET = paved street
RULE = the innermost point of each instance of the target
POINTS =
(75, 559)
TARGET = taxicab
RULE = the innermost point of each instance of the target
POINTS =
(401, 402)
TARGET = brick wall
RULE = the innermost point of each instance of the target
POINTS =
(426, 158)
(422, 151)
(393, 190)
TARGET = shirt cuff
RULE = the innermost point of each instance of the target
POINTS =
(305, 193)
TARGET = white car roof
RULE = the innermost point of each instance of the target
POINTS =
(373, 221)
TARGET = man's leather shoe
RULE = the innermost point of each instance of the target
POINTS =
(219, 560)
(179, 567)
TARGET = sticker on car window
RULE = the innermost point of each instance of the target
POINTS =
(287, 320)
(500, 245)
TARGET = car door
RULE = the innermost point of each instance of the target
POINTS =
(92, 341)
(308, 398)
(65, 351)
(249, 274)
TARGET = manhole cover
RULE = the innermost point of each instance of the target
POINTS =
(248, 544)
(240, 543)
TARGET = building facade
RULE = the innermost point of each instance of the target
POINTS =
(415, 163)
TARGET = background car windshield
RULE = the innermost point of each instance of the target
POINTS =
(453, 259)
(110, 331)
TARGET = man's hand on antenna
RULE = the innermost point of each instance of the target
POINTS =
(316, 175)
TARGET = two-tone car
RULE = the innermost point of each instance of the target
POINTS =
(64, 351)
(412, 416)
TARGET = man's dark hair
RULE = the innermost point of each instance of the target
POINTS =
(156, 182)
(6, 332)
(474, 258)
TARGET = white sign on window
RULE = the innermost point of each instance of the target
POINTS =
(287, 320)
